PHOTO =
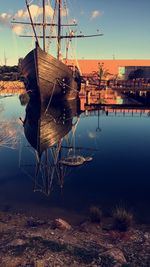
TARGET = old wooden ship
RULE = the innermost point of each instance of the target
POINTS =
(47, 76)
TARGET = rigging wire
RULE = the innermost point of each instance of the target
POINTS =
(31, 1)
(52, 28)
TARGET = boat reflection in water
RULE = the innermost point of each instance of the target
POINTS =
(50, 131)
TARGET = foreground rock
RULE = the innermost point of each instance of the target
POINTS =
(116, 255)
(61, 224)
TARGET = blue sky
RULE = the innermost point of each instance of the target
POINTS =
(125, 25)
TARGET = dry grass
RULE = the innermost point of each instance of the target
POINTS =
(122, 219)
(95, 214)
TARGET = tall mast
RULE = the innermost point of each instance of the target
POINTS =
(44, 25)
(59, 28)
(58, 36)
(28, 8)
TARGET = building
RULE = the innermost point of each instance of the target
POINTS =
(133, 72)
(116, 67)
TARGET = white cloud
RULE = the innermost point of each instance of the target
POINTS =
(36, 11)
(95, 14)
(4, 18)
(18, 29)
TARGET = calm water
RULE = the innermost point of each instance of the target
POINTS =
(119, 144)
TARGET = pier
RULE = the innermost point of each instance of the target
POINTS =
(116, 110)
(119, 85)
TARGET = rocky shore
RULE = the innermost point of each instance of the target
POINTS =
(11, 85)
(27, 241)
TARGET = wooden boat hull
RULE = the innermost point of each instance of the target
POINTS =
(48, 77)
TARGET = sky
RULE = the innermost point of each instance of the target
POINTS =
(125, 25)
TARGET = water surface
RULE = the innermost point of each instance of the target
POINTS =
(117, 140)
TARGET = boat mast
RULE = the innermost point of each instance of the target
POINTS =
(35, 35)
(59, 28)
(44, 25)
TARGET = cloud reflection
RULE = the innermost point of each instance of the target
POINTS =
(8, 131)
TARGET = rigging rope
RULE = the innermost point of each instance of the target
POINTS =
(51, 96)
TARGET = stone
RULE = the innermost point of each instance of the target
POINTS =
(40, 263)
(17, 242)
(61, 224)
(116, 254)
(147, 235)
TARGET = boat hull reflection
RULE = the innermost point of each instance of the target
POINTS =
(45, 128)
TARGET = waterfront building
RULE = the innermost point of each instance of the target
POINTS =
(118, 68)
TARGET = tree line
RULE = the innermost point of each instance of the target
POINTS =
(11, 73)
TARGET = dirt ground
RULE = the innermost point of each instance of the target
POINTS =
(27, 241)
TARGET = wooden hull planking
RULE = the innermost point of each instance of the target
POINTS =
(48, 77)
